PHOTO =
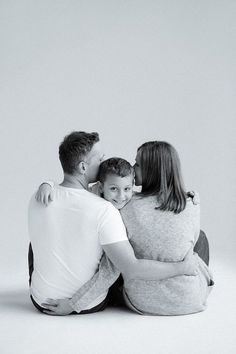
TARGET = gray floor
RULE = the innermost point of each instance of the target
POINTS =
(25, 331)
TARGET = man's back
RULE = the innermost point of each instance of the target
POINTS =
(66, 239)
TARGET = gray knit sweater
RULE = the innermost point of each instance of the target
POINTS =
(165, 236)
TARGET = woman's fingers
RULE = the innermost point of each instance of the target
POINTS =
(50, 313)
(50, 305)
(52, 301)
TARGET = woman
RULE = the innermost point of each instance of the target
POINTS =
(163, 223)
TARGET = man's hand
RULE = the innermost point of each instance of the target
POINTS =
(44, 194)
(190, 263)
(59, 307)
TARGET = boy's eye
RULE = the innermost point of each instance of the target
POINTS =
(113, 188)
(127, 189)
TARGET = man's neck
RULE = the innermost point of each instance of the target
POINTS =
(74, 181)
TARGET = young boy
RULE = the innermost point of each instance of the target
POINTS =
(116, 179)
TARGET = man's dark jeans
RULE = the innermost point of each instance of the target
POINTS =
(115, 296)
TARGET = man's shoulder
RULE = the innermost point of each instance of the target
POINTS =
(82, 195)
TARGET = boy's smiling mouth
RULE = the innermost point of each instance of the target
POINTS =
(122, 201)
(119, 203)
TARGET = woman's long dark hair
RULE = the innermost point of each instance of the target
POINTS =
(161, 175)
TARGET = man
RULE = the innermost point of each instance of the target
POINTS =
(68, 237)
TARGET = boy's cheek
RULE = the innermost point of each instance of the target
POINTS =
(125, 204)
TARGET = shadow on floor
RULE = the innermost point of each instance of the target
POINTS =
(16, 300)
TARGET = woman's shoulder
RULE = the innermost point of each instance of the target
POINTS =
(139, 201)
(146, 199)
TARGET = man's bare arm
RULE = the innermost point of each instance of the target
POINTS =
(122, 256)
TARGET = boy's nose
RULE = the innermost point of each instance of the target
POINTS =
(121, 195)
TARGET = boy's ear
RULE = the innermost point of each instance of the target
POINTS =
(100, 187)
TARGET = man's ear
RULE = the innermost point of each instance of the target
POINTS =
(82, 167)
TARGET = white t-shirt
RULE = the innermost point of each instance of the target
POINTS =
(66, 238)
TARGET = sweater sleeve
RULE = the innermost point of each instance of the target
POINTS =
(105, 276)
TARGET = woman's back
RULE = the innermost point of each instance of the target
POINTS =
(165, 236)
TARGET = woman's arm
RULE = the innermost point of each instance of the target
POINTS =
(100, 283)
(107, 274)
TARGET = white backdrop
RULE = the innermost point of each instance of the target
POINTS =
(133, 71)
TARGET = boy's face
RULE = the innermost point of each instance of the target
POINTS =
(117, 190)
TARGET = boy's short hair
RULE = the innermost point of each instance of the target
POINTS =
(114, 166)
(74, 148)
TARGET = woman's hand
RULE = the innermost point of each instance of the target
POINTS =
(44, 194)
(59, 307)
(195, 197)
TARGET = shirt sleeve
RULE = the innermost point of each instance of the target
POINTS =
(111, 227)
(97, 285)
